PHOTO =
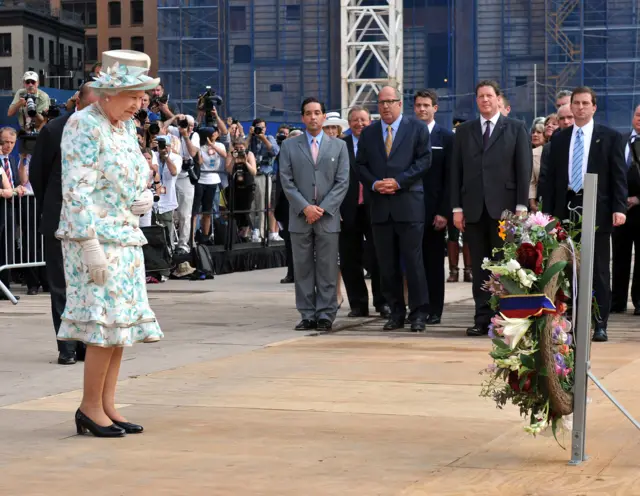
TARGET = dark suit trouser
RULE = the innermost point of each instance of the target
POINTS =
(482, 237)
(57, 288)
(355, 241)
(624, 239)
(433, 243)
(395, 241)
(315, 260)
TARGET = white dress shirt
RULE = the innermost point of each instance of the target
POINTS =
(431, 125)
(493, 120)
(587, 133)
(627, 149)
(355, 144)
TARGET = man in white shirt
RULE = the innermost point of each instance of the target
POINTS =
(169, 165)
(594, 148)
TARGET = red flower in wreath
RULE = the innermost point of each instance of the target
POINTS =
(530, 257)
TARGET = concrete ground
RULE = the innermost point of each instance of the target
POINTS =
(236, 403)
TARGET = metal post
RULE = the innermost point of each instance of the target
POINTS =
(535, 91)
(582, 328)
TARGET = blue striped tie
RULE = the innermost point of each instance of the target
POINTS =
(576, 164)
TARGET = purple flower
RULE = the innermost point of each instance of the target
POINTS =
(559, 359)
(569, 339)
(491, 333)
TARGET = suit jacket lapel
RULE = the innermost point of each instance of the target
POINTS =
(496, 132)
(476, 131)
(401, 134)
(595, 144)
(565, 151)
(377, 129)
(324, 145)
(436, 139)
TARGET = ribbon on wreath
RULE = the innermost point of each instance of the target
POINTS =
(525, 306)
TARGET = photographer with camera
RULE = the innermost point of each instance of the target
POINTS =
(188, 175)
(265, 149)
(29, 103)
(169, 165)
(207, 192)
(161, 105)
(242, 170)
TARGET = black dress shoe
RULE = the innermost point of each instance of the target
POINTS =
(393, 324)
(286, 280)
(324, 324)
(358, 312)
(600, 335)
(384, 311)
(637, 311)
(306, 325)
(433, 320)
(32, 291)
(66, 359)
(128, 427)
(418, 325)
(477, 330)
(84, 424)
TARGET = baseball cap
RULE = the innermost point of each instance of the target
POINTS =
(30, 75)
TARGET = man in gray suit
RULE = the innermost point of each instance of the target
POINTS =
(314, 171)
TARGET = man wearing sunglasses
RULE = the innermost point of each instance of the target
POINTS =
(19, 104)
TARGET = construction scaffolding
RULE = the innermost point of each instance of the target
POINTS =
(265, 56)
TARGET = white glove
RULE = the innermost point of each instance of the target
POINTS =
(96, 261)
(143, 204)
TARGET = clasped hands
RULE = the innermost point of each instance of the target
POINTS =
(313, 213)
(386, 186)
(143, 204)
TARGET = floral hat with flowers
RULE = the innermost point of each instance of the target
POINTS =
(124, 70)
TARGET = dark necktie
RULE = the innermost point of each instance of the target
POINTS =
(630, 156)
(486, 135)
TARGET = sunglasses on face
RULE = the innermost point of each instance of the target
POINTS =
(30, 81)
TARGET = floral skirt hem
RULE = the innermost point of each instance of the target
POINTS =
(94, 334)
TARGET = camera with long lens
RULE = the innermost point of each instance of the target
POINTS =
(208, 102)
(187, 163)
(142, 115)
(183, 123)
(152, 132)
(156, 100)
(258, 130)
(31, 105)
(280, 137)
(162, 144)
(54, 109)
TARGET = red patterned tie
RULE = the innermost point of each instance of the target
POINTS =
(361, 195)
(7, 171)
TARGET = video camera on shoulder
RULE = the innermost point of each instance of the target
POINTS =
(54, 109)
(208, 102)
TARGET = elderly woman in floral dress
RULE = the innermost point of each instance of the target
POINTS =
(104, 187)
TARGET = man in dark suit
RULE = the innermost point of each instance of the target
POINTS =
(46, 180)
(490, 173)
(436, 201)
(627, 236)
(589, 147)
(394, 154)
(356, 237)
(9, 209)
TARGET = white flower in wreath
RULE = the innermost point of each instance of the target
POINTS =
(525, 279)
(513, 329)
(513, 265)
(511, 363)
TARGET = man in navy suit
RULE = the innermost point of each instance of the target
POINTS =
(8, 208)
(436, 201)
(394, 154)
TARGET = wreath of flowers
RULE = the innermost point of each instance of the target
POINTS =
(521, 275)
(119, 75)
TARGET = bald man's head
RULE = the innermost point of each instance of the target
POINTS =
(565, 116)
(86, 96)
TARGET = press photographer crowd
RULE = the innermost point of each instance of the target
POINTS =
(353, 199)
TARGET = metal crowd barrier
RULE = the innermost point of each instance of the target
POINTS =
(21, 244)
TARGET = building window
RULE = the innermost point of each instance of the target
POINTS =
(5, 45)
(31, 48)
(70, 64)
(41, 49)
(52, 52)
(137, 43)
(79, 61)
(91, 14)
(92, 48)
(242, 54)
(5, 78)
(115, 44)
(521, 80)
(238, 19)
(292, 13)
(137, 12)
(41, 78)
(275, 88)
(437, 53)
(61, 54)
(114, 14)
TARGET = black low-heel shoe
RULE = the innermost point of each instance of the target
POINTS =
(84, 424)
(129, 428)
